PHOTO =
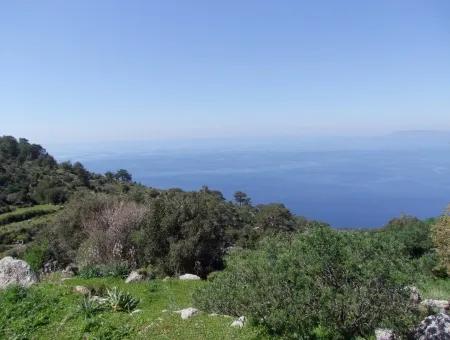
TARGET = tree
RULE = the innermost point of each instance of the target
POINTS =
(441, 239)
(82, 173)
(241, 198)
(109, 176)
(274, 217)
(123, 175)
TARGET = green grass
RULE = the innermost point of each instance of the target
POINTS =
(435, 289)
(23, 214)
(50, 310)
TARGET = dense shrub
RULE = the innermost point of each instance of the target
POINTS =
(441, 239)
(108, 234)
(37, 254)
(185, 232)
(410, 233)
(338, 284)
(118, 269)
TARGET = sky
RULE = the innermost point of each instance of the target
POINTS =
(81, 71)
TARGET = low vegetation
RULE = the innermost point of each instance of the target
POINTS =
(51, 310)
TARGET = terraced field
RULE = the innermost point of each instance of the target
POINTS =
(19, 227)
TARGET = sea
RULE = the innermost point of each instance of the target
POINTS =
(352, 183)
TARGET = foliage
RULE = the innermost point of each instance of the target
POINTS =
(184, 232)
(412, 234)
(29, 175)
(343, 284)
(119, 269)
(36, 255)
(108, 233)
(119, 300)
(441, 239)
(90, 307)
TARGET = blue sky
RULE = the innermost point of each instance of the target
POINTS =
(128, 70)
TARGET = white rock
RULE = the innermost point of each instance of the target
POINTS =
(99, 299)
(238, 323)
(384, 334)
(189, 277)
(134, 277)
(433, 327)
(16, 272)
(81, 290)
(136, 311)
(436, 305)
(187, 312)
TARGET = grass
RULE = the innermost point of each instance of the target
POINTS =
(438, 289)
(50, 310)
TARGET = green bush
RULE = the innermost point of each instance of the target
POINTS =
(334, 284)
(90, 272)
(36, 255)
(119, 269)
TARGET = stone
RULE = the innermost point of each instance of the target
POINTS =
(433, 327)
(70, 270)
(167, 278)
(189, 277)
(187, 312)
(238, 323)
(81, 290)
(414, 295)
(436, 306)
(384, 334)
(134, 277)
(99, 300)
(16, 272)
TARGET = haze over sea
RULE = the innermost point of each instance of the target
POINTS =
(347, 182)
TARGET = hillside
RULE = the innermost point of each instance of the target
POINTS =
(29, 175)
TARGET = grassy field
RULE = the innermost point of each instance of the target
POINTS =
(51, 310)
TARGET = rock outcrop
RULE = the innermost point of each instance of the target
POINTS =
(81, 290)
(134, 277)
(187, 312)
(238, 323)
(435, 306)
(16, 272)
(384, 334)
(189, 277)
(434, 327)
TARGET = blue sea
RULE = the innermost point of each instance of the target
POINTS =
(358, 187)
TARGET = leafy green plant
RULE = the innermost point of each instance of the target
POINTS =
(121, 301)
(108, 270)
(89, 272)
(36, 255)
(89, 307)
(340, 285)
